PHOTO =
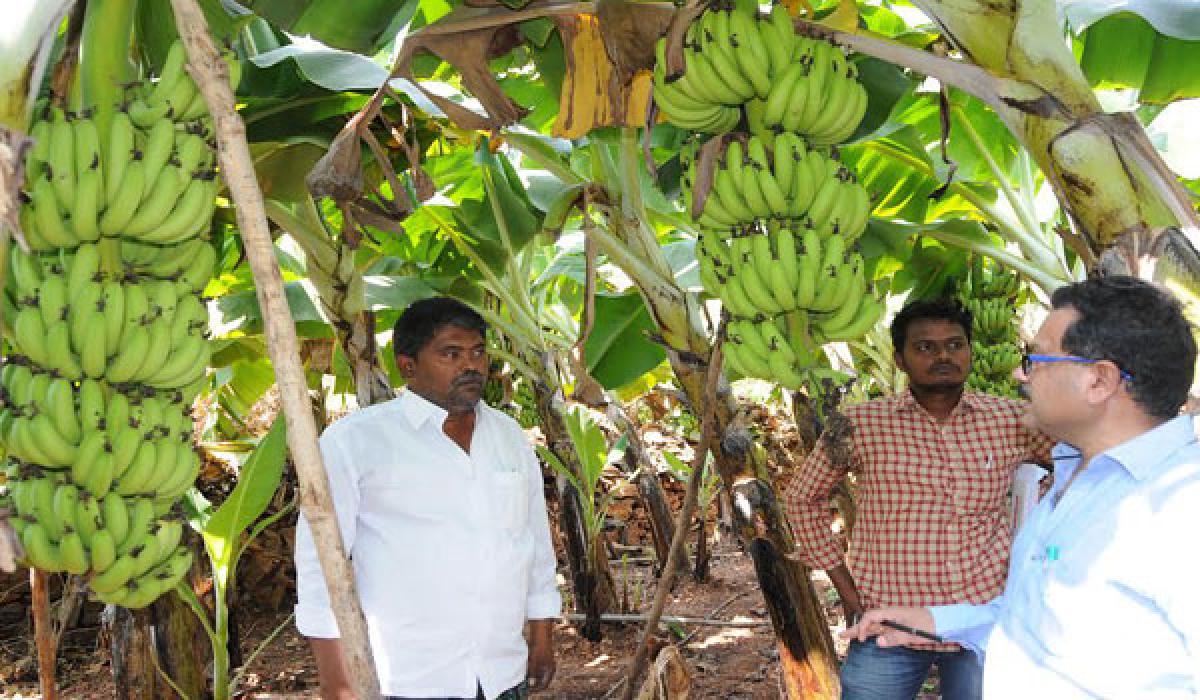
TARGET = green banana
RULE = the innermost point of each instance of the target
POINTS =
(39, 550)
(60, 399)
(60, 160)
(116, 517)
(48, 217)
(124, 205)
(88, 519)
(103, 551)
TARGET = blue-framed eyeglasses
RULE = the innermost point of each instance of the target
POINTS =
(1028, 360)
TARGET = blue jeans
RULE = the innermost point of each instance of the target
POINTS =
(896, 673)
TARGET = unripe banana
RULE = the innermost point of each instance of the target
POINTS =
(113, 578)
(85, 212)
(158, 203)
(52, 299)
(810, 255)
(60, 400)
(39, 550)
(124, 205)
(61, 160)
(59, 357)
(91, 447)
(160, 142)
(103, 552)
(88, 519)
(116, 517)
(749, 50)
(74, 558)
(48, 215)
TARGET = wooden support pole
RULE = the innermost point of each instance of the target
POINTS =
(237, 169)
(707, 428)
(43, 633)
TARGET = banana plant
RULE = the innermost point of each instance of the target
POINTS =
(226, 532)
(621, 224)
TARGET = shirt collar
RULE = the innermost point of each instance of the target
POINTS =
(1141, 455)
(419, 410)
(905, 401)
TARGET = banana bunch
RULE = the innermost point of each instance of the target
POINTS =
(993, 320)
(818, 96)
(108, 339)
(989, 294)
(75, 322)
(985, 281)
(777, 348)
(752, 182)
(995, 360)
(731, 55)
(782, 268)
(146, 180)
(131, 555)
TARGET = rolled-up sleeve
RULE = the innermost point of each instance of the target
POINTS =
(969, 625)
(543, 601)
(314, 615)
(807, 504)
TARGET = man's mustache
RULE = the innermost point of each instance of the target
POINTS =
(469, 377)
(945, 366)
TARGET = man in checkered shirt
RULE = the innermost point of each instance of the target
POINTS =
(934, 465)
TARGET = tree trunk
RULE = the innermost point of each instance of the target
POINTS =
(371, 385)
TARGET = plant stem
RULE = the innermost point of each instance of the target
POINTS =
(1031, 242)
(1043, 278)
(104, 66)
(533, 150)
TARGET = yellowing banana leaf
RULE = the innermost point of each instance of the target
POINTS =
(587, 99)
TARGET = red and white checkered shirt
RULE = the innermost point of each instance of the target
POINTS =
(932, 526)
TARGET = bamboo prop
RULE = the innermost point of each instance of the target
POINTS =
(620, 618)
(707, 427)
(43, 633)
(237, 169)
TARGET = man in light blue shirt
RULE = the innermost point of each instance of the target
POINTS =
(1102, 596)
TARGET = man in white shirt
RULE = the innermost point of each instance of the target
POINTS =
(1100, 600)
(439, 499)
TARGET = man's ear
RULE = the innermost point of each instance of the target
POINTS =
(405, 364)
(899, 360)
(1104, 381)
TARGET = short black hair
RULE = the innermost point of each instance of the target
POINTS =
(941, 309)
(422, 319)
(1139, 327)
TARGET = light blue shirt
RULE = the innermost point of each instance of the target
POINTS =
(1103, 592)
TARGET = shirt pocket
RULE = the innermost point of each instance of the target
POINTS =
(510, 500)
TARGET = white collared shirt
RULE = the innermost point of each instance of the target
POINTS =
(451, 552)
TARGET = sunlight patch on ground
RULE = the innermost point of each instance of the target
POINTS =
(597, 661)
(726, 636)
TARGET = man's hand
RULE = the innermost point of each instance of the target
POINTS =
(541, 654)
(871, 626)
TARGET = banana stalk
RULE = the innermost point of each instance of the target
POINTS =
(341, 291)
